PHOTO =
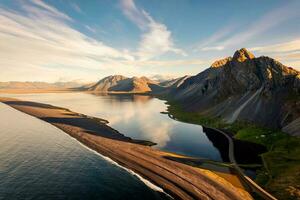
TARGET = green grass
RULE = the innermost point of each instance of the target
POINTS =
(192, 117)
(281, 172)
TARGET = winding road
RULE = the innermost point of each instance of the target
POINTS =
(245, 179)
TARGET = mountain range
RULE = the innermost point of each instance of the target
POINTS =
(245, 88)
(122, 84)
(119, 83)
(239, 88)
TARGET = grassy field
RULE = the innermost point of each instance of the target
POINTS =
(281, 172)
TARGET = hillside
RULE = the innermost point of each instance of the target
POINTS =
(251, 99)
(118, 83)
(245, 88)
(174, 83)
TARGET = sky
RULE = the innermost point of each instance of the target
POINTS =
(68, 40)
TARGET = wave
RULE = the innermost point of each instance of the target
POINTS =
(145, 181)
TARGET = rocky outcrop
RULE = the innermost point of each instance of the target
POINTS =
(220, 63)
(243, 87)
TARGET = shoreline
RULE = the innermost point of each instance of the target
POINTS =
(179, 180)
(145, 181)
(69, 90)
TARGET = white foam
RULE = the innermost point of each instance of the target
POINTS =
(145, 181)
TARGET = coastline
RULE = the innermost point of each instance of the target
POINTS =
(178, 180)
(145, 181)
(67, 90)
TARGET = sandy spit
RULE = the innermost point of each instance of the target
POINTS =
(179, 180)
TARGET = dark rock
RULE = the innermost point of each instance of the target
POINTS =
(243, 88)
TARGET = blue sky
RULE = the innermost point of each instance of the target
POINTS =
(63, 40)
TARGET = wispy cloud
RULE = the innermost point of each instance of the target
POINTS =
(90, 28)
(291, 60)
(39, 42)
(211, 43)
(39, 38)
(137, 16)
(214, 48)
(167, 63)
(76, 7)
(229, 36)
(288, 52)
(51, 10)
(271, 19)
(156, 39)
(289, 46)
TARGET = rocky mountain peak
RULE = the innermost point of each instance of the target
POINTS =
(220, 63)
(242, 55)
(115, 77)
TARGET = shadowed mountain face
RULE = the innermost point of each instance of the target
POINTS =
(174, 83)
(243, 87)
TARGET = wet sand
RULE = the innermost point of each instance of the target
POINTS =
(179, 180)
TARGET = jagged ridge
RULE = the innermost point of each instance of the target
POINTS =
(243, 87)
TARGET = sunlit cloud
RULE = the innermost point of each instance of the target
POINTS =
(289, 46)
(215, 48)
(295, 64)
(295, 55)
(40, 42)
(139, 17)
(156, 39)
(39, 38)
(156, 42)
(51, 10)
(287, 52)
(289, 59)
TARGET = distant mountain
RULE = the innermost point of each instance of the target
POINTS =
(243, 87)
(165, 87)
(17, 85)
(69, 84)
(118, 83)
(161, 78)
(173, 83)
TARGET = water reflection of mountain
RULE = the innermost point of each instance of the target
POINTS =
(245, 152)
(126, 97)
